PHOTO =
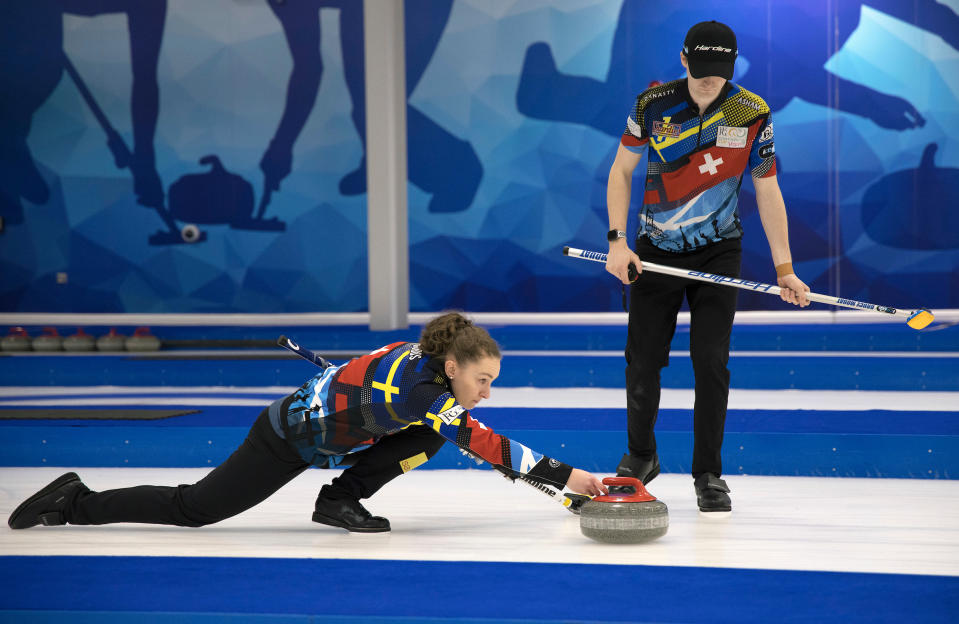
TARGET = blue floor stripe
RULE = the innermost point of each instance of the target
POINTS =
(769, 454)
(884, 422)
(774, 372)
(827, 337)
(778, 372)
(470, 590)
(179, 617)
(800, 454)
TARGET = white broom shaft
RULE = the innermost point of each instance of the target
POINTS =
(702, 276)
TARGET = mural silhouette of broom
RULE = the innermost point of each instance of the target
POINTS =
(213, 197)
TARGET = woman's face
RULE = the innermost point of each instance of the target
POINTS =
(472, 380)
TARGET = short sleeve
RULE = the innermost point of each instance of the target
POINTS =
(635, 138)
(762, 157)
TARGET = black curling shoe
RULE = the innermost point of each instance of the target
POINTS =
(643, 469)
(46, 506)
(349, 514)
(712, 493)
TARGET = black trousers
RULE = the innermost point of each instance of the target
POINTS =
(259, 467)
(655, 301)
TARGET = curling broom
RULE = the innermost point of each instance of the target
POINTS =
(916, 319)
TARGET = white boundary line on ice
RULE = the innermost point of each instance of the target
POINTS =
(543, 398)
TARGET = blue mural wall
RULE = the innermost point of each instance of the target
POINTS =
(174, 156)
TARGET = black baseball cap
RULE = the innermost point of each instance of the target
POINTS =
(710, 50)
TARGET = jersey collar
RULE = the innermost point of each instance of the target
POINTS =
(723, 94)
(438, 366)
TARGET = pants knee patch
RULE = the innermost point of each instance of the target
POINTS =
(412, 462)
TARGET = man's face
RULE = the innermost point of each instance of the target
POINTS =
(706, 88)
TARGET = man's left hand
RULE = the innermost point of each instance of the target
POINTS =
(793, 290)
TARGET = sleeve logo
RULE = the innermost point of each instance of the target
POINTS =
(767, 133)
(448, 416)
(634, 128)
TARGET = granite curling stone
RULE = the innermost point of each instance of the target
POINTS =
(16, 340)
(49, 340)
(142, 340)
(80, 341)
(112, 341)
(627, 515)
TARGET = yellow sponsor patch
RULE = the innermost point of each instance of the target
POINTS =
(412, 462)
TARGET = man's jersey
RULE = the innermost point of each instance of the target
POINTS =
(345, 408)
(696, 162)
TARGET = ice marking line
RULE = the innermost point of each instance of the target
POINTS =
(546, 398)
(140, 401)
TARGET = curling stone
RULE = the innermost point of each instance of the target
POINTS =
(17, 339)
(112, 341)
(190, 233)
(142, 340)
(50, 340)
(80, 341)
(627, 515)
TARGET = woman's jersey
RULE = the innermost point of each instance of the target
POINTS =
(345, 408)
(696, 162)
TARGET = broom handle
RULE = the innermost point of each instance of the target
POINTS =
(736, 282)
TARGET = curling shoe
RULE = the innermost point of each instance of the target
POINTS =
(643, 469)
(46, 506)
(712, 493)
(349, 514)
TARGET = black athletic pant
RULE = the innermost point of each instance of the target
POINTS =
(374, 467)
(259, 467)
(655, 301)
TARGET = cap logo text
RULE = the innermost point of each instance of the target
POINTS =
(704, 48)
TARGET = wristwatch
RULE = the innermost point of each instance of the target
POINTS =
(615, 235)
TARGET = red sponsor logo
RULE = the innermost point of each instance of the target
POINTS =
(666, 129)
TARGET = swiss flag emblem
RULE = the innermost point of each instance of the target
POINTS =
(710, 164)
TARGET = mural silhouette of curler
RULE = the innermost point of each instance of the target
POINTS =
(768, 36)
(214, 197)
(31, 44)
(930, 225)
(31, 70)
(439, 162)
(123, 158)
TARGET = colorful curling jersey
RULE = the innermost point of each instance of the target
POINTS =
(346, 408)
(696, 162)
